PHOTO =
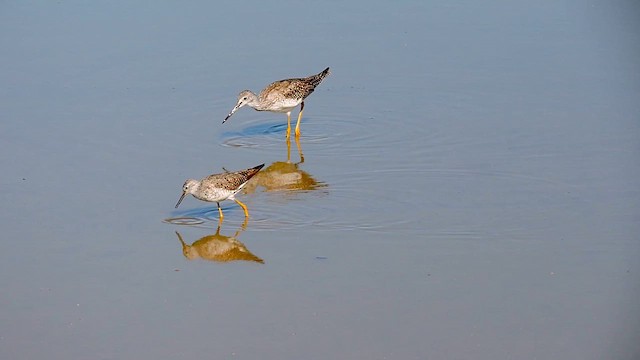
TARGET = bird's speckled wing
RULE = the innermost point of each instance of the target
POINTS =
(278, 91)
(231, 181)
(228, 181)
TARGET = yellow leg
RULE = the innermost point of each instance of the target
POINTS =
(288, 124)
(220, 211)
(289, 149)
(299, 118)
(244, 207)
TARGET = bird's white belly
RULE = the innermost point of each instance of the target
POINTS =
(284, 106)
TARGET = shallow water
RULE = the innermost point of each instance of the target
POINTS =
(465, 185)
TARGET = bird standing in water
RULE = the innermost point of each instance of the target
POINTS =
(219, 187)
(281, 96)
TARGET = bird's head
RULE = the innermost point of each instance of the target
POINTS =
(188, 188)
(245, 97)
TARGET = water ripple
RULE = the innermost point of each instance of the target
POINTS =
(184, 221)
(206, 216)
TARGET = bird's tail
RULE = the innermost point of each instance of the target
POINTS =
(249, 173)
(317, 79)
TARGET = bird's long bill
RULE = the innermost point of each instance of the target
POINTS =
(235, 108)
(180, 200)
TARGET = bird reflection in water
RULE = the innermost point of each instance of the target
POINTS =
(219, 248)
(284, 175)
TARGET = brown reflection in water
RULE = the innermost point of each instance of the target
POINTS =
(284, 175)
(219, 248)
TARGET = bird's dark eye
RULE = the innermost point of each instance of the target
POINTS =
(244, 98)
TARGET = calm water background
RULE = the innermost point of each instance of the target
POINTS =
(469, 185)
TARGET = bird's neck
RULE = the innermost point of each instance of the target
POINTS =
(194, 187)
(254, 102)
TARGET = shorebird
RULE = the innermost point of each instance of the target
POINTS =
(219, 187)
(281, 96)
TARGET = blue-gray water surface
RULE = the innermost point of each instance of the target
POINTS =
(465, 185)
